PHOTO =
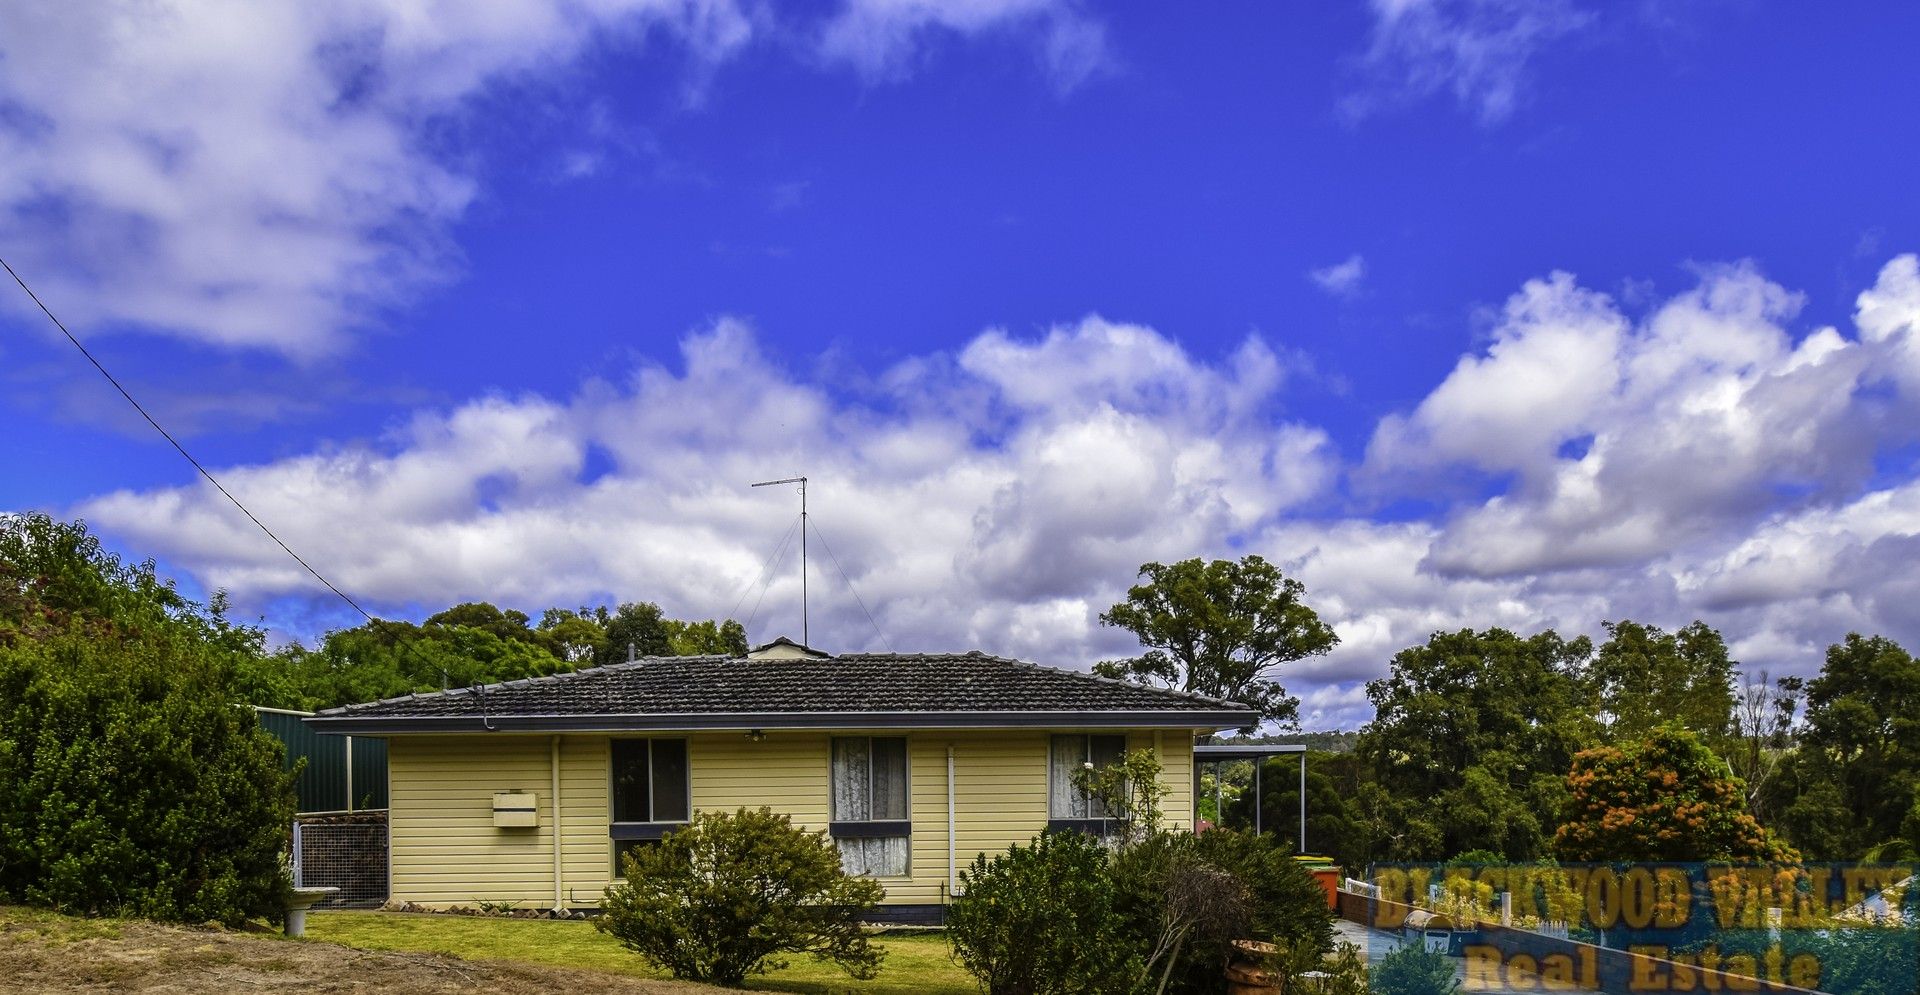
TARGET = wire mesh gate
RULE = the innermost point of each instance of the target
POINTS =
(347, 851)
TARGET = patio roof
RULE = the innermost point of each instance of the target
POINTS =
(1211, 752)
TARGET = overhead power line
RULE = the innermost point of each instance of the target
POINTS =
(182, 450)
(850, 588)
(766, 580)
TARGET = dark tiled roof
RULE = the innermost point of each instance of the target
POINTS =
(873, 684)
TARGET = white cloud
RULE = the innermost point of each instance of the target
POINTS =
(1702, 460)
(1342, 279)
(259, 174)
(883, 39)
(1479, 51)
(1889, 316)
(1625, 441)
(274, 176)
(971, 505)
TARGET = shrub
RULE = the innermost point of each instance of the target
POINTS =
(1281, 900)
(131, 782)
(1345, 970)
(1041, 919)
(1414, 970)
(1130, 790)
(1174, 903)
(1300, 968)
(1289, 906)
(718, 900)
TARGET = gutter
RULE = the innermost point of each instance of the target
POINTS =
(380, 725)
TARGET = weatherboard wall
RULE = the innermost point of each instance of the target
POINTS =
(447, 851)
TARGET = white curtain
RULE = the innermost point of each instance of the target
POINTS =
(852, 779)
(878, 855)
(1065, 800)
(1071, 753)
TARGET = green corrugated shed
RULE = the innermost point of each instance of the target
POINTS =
(323, 784)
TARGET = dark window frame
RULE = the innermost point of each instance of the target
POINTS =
(650, 829)
(849, 829)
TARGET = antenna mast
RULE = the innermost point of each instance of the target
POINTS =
(805, 636)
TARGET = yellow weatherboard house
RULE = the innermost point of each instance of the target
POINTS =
(529, 791)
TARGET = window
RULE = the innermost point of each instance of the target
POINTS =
(1069, 806)
(650, 791)
(870, 823)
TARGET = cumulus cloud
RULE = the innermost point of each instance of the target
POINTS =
(1703, 459)
(274, 176)
(1478, 51)
(1342, 279)
(974, 501)
(262, 175)
(1624, 440)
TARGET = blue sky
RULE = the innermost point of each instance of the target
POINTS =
(514, 308)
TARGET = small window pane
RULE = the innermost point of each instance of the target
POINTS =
(884, 856)
(889, 779)
(670, 802)
(852, 768)
(630, 782)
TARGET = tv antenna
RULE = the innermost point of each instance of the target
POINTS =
(805, 636)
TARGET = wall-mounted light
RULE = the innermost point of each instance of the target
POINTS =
(756, 735)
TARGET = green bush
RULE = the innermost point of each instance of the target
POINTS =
(1414, 970)
(1289, 906)
(132, 781)
(1284, 903)
(718, 900)
(1041, 919)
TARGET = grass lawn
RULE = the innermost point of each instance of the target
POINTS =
(916, 963)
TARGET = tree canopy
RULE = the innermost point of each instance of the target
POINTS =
(1856, 777)
(1471, 735)
(1219, 628)
(1646, 677)
(477, 643)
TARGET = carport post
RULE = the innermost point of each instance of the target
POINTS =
(1303, 802)
(1256, 796)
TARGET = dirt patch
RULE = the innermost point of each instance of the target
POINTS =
(46, 953)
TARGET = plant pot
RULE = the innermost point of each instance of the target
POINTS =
(1247, 972)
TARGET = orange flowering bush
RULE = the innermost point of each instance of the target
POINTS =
(1667, 798)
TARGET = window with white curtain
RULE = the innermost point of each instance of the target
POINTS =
(1073, 752)
(870, 822)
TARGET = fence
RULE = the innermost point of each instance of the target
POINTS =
(347, 851)
(1508, 958)
(342, 773)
